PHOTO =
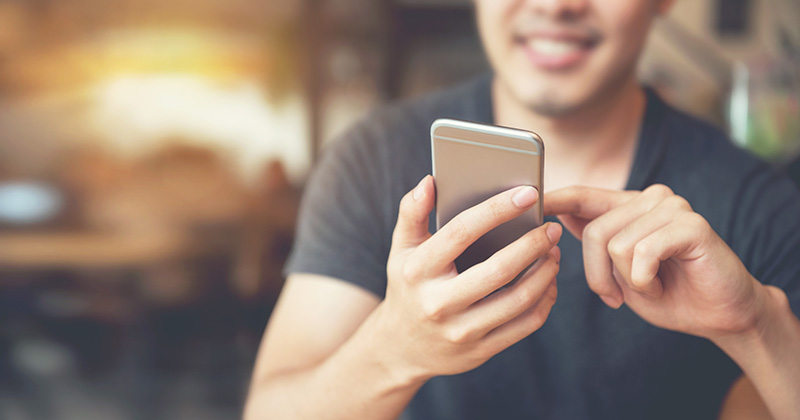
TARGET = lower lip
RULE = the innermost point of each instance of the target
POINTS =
(556, 62)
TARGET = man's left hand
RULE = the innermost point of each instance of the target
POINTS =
(650, 250)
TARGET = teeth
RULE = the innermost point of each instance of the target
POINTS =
(552, 46)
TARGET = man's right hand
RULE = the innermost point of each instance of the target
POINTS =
(435, 321)
(355, 356)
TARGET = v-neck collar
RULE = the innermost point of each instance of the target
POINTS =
(651, 143)
(651, 140)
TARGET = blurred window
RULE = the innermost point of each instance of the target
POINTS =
(28, 203)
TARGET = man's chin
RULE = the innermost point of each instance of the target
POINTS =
(550, 105)
(547, 101)
(551, 108)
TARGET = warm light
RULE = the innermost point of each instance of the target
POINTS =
(176, 50)
(137, 113)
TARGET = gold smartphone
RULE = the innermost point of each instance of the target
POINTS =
(471, 163)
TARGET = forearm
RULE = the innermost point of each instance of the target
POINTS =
(357, 381)
(770, 356)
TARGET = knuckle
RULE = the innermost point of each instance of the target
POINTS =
(575, 195)
(497, 272)
(411, 271)
(458, 335)
(552, 292)
(594, 232)
(579, 191)
(484, 352)
(600, 284)
(643, 249)
(537, 318)
(552, 267)
(601, 288)
(524, 296)
(618, 248)
(547, 267)
(406, 206)
(694, 221)
(679, 202)
(432, 310)
(659, 190)
(458, 232)
(405, 202)
(537, 240)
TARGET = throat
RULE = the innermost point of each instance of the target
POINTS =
(612, 174)
(594, 146)
(591, 164)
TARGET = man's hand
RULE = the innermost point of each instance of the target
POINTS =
(649, 250)
(435, 321)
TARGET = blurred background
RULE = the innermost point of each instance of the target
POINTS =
(152, 156)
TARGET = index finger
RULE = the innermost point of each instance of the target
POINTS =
(584, 202)
(453, 238)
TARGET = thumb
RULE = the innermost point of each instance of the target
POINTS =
(412, 221)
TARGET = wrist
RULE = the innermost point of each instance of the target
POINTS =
(771, 309)
(390, 355)
(767, 354)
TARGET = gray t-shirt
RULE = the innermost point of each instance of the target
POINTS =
(587, 361)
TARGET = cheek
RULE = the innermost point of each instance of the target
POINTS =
(627, 24)
(494, 17)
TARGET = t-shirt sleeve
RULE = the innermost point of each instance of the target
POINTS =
(340, 231)
(770, 225)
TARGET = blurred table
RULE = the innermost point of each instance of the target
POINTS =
(38, 250)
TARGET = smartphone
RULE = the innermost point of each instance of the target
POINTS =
(473, 162)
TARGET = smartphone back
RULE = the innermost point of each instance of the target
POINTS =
(473, 162)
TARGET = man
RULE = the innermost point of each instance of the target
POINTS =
(673, 279)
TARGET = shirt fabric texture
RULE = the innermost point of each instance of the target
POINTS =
(587, 361)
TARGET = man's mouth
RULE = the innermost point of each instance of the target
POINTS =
(553, 47)
(556, 50)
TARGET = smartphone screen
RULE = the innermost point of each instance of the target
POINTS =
(473, 162)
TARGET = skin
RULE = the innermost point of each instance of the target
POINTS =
(618, 29)
(589, 113)
(332, 350)
(432, 322)
(649, 250)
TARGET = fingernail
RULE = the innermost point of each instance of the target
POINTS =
(554, 232)
(419, 190)
(611, 302)
(525, 197)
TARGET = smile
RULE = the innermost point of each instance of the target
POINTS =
(556, 52)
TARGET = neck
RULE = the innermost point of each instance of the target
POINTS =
(593, 146)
